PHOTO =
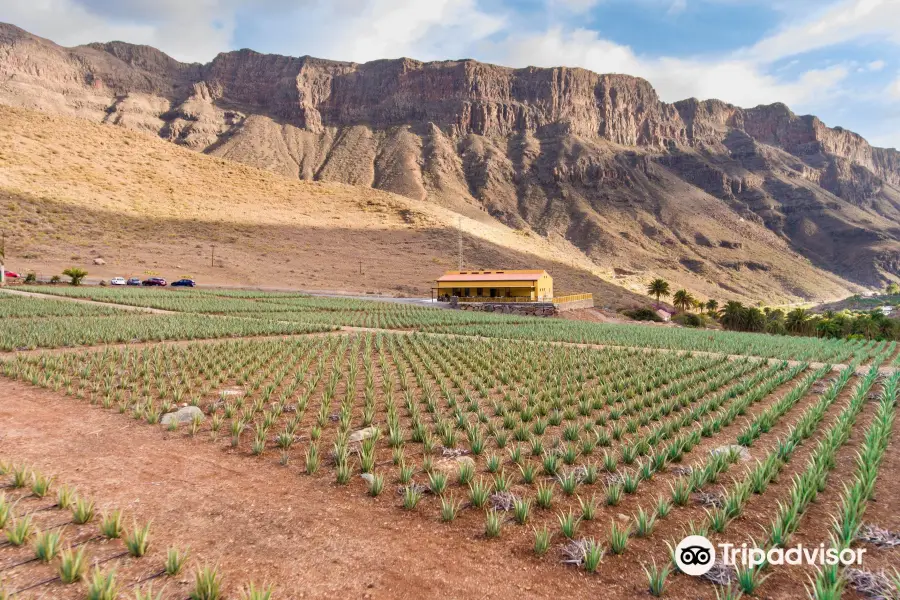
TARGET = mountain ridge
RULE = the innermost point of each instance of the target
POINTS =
(729, 201)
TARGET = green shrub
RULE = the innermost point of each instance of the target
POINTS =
(642, 314)
(686, 319)
(75, 274)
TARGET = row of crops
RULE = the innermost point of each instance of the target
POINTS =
(27, 323)
(19, 307)
(50, 528)
(727, 342)
(566, 446)
(316, 313)
(31, 333)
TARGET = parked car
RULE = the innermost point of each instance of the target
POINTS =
(154, 281)
(11, 274)
(134, 281)
(117, 281)
(184, 283)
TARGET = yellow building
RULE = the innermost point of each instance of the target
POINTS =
(513, 285)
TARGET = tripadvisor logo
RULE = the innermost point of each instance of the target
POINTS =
(695, 555)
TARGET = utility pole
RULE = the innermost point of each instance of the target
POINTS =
(212, 258)
(460, 240)
(360, 267)
(3, 260)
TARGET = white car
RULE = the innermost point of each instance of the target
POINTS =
(117, 281)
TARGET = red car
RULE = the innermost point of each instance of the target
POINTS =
(11, 275)
(158, 281)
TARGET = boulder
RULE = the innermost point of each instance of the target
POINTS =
(742, 450)
(362, 434)
(99, 261)
(182, 415)
(451, 465)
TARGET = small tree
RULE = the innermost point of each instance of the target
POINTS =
(75, 274)
(733, 315)
(797, 320)
(658, 288)
(712, 306)
(893, 289)
(683, 300)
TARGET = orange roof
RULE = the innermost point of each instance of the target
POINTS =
(534, 276)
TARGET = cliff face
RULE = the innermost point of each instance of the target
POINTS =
(597, 162)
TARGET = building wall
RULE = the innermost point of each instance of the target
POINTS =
(516, 288)
(577, 304)
(540, 289)
(545, 287)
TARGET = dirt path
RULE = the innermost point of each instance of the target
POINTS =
(258, 520)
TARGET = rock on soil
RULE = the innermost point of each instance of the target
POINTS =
(451, 465)
(362, 434)
(742, 450)
(182, 415)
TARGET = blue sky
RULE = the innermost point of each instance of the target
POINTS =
(837, 59)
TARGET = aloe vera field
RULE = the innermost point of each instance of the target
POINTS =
(277, 445)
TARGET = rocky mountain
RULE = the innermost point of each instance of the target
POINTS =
(752, 203)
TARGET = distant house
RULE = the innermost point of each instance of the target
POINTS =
(509, 284)
(886, 310)
(664, 314)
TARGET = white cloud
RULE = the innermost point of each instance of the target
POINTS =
(374, 29)
(191, 31)
(893, 89)
(576, 6)
(677, 6)
(740, 82)
(876, 65)
(843, 22)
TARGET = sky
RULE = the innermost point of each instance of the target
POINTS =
(837, 59)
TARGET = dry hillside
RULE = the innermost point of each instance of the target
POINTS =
(72, 190)
(753, 204)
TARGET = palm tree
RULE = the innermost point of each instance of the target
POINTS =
(868, 326)
(796, 320)
(754, 319)
(828, 328)
(76, 274)
(658, 288)
(733, 315)
(683, 299)
(712, 306)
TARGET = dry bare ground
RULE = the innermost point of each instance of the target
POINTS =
(73, 191)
